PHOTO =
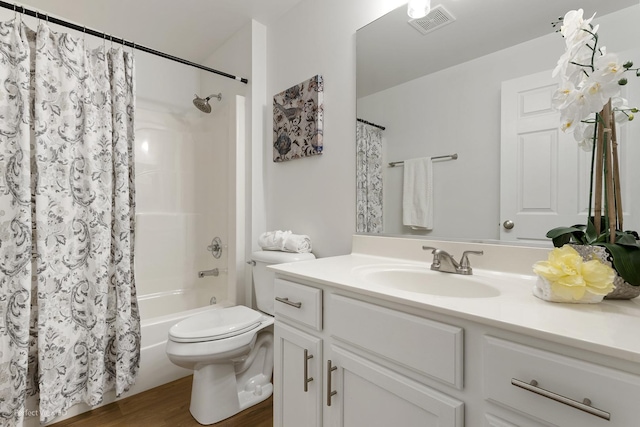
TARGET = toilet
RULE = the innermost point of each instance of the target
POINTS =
(231, 349)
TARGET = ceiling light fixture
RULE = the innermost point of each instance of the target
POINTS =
(418, 8)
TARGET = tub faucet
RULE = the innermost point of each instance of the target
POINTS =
(445, 263)
(213, 272)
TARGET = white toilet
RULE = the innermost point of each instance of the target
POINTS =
(231, 349)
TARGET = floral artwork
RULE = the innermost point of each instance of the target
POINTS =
(297, 120)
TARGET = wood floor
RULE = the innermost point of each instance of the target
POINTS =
(164, 406)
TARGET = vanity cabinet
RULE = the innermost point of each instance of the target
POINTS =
(367, 361)
(298, 377)
(369, 394)
(297, 355)
(557, 389)
(372, 370)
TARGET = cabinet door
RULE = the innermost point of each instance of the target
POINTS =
(370, 395)
(297, 353)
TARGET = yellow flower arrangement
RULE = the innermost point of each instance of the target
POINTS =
(573, 279)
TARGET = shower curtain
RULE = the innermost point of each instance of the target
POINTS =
(69, 321)
(368, 179)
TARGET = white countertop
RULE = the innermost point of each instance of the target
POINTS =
(611, 327)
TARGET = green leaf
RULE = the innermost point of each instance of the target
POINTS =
(623, 238)
(558, 231)
(591, 235)
(563, 235)
(626, 260)
(561, 240)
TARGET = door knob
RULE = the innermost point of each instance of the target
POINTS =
(508, 224)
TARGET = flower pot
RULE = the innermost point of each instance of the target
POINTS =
(623, 290)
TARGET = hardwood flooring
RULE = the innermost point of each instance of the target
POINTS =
(164, 406)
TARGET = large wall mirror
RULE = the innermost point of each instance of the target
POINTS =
(461, 84)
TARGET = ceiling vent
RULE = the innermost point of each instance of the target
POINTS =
(437, 18)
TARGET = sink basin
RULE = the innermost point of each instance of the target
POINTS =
(422, 280)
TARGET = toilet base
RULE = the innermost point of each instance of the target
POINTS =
(214, 394)
(220, 391)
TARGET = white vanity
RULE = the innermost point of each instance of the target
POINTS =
(354, 347)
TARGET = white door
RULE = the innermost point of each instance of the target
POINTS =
(544, 175)
(369, 395)
(294, 404)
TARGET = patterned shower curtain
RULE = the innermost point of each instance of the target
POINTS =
(368, 179)
(68, 166)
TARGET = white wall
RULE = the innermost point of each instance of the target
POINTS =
(316, 195)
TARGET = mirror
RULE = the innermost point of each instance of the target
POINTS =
(439, 93)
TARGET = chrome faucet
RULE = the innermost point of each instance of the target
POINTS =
(214, 272)
(445, 263)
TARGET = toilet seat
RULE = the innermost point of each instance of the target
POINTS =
(216, 325)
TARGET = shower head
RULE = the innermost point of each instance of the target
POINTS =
(202, 104)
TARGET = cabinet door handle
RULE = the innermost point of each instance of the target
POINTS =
(585, 405)
(307, 378)
(291, 303)
(330, 392)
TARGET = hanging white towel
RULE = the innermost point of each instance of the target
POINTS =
(417, 194)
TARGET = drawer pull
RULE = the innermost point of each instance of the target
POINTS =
(307, 379)
(291, 303)
(330, 393)
(583, 406)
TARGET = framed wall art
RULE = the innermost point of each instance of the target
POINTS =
(297, 121)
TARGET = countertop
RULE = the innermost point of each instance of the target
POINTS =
(611, 328)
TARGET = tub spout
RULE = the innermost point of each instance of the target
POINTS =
(213, 272)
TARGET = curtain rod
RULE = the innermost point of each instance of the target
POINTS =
(448, 156)
(105, 36)
(371, 124)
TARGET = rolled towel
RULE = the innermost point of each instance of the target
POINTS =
(273, 240)
(297, 243)
(284, 241)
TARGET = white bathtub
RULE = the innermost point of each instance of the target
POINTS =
(172, 303)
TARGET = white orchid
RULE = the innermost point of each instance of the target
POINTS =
(575, 28)
(585, 136)
(623, 113)
(608, 68)
(589, 78)
(564, 95)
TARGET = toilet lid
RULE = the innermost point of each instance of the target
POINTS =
(215, 324)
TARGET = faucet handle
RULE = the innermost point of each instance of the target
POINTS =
(465, 266)
(435, 264)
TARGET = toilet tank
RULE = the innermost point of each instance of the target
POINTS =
(264, 280)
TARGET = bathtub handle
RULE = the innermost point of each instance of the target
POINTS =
(291, 303)
(307, 378)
